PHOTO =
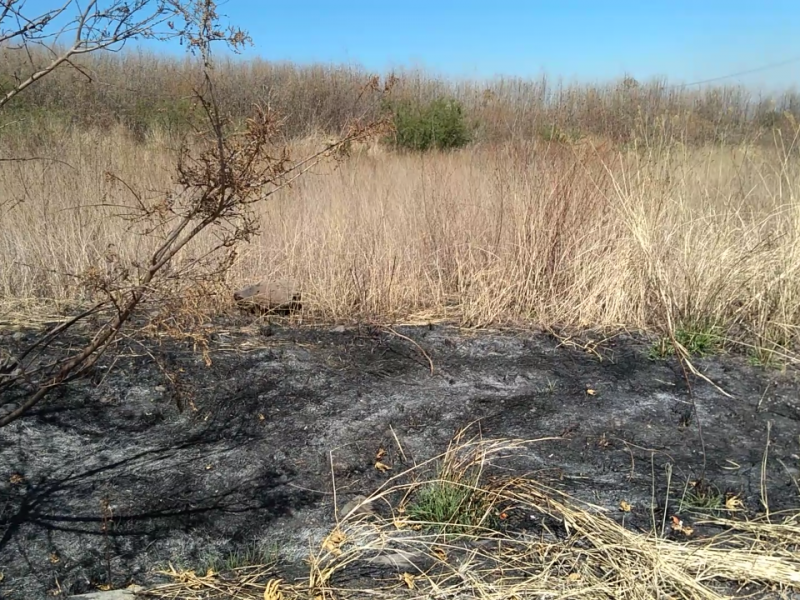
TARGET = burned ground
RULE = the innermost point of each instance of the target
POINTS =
(122, 474)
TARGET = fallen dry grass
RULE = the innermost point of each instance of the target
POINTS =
(581, 235)
(564, 549)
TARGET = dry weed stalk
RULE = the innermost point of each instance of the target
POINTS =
(565, 548)
(479, 237)
(552, 546)
(221, 174)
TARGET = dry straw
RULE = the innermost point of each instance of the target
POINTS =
(579, 235)
(577, 550)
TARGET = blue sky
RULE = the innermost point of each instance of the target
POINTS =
(684, 40)
(583, 39)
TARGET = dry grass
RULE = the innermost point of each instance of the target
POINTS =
(580, 235)
(572, 550)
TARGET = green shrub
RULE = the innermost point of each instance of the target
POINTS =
(439, 124)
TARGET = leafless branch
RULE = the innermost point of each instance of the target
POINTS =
(75, 28)
(221, 174)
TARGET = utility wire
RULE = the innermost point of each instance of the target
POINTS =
(782, 63)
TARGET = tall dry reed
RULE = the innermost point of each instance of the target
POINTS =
(514, 233)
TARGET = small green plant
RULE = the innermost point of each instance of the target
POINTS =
(705, 500)
(698, 340)
(449, 506)
(661, 349)
(453, 501)
(703, 496)
(251, 555)
(760, 356)
(440, 124)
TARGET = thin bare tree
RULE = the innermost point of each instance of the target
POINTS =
(72, 28)
(221, 174)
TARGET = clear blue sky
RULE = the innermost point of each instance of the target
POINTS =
(683, 40)
(589, 40)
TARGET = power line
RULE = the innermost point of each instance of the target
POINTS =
(782, 63)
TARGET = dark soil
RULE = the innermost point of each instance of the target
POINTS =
(120, 475)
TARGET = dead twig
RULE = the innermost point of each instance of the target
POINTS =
(408, 339)
(221, 174)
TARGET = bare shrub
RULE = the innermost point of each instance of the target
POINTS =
(222, 172)
(146, 91)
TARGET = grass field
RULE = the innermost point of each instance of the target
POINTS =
(635, 231)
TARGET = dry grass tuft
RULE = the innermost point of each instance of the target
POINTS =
(242, 583)
(567, 549)
(568, 235)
